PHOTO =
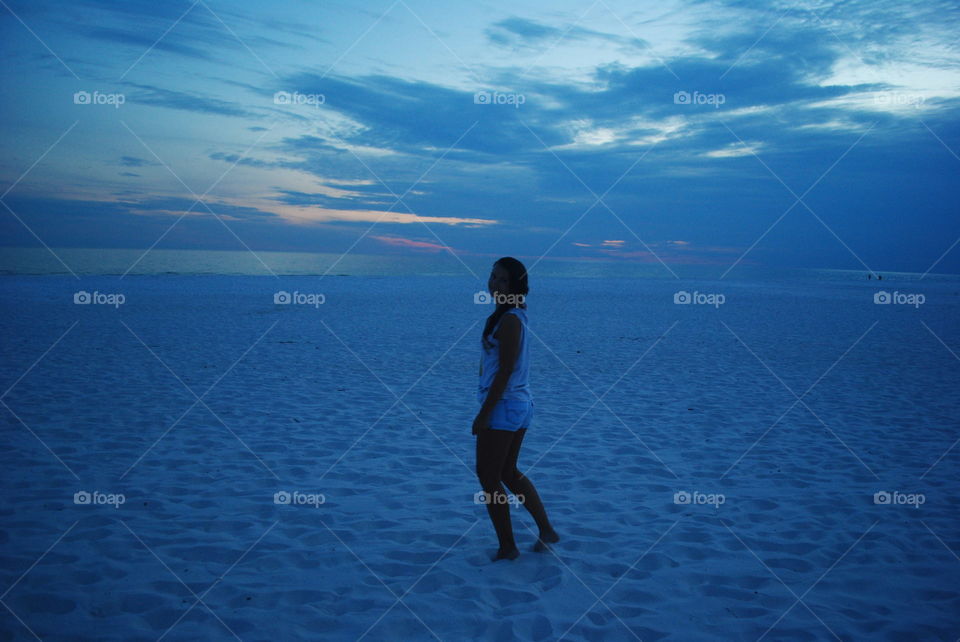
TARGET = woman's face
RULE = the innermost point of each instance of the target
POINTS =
(499, 281)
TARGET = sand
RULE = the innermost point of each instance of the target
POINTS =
(198, 399)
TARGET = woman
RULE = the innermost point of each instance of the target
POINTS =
(507, 408)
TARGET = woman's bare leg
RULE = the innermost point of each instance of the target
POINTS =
(524, 489)
(493, 447)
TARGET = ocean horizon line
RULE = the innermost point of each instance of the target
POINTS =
(25, 261)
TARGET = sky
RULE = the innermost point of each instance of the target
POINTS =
(669, 133)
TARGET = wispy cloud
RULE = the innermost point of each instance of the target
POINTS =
(185, 101)
(395, 241)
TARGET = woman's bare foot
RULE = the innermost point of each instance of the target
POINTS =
(508, 554)
(546, 538)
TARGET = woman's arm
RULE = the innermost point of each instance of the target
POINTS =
(509, 337)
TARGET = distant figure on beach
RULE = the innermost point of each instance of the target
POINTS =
(880, 277)
(869, 276)
(506, 408)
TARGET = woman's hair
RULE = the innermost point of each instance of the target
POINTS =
(517, 274)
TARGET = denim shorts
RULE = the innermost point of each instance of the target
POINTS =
(511, 414)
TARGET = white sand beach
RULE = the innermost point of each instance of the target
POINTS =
(696, 497)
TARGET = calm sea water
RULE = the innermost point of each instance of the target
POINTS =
(121, 262)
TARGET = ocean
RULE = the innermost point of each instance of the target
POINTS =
(123, 262)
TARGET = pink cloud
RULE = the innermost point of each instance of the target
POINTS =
(404, 242)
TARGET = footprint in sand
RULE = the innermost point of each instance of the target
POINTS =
(509, 597)
(49, 603)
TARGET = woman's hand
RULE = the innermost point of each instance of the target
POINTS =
(481, 422)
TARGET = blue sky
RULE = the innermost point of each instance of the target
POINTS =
(719, 134)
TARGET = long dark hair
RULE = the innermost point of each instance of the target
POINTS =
(518, 285)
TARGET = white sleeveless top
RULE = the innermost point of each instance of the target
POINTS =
(518, 387)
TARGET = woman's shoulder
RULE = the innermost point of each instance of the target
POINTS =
(519, 317)
(512, 322)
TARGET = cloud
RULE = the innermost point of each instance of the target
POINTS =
(133, 161)
(735, 150)
(524, 29)
(247, 161)
(138, 12)
(516, 31)
(173, 99)
(628, 107)
(145, 42)
(178, 26)
(410, 116)
(410, 243)
(310, 214)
